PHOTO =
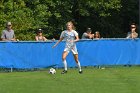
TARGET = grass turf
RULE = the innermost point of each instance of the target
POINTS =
(109, 80)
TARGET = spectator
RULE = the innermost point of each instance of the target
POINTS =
(39, 36)
(8, 33)
(133, 33)
(97, 35)
(87, 34)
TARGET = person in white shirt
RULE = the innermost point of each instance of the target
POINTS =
(8, 34)
(88, 34)
(71, 37)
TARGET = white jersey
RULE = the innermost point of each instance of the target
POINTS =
(69, 36)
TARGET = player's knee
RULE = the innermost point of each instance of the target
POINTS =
(63, 58)
(76, 60)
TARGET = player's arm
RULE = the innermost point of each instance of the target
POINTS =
(58, 42)
(76, 38)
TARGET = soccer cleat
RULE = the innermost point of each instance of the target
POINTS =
(64, 71)
(80, 72)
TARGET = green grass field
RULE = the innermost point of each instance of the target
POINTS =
(93, 80)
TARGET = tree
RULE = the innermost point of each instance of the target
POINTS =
(110, 17)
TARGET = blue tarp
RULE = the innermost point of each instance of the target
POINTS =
(91, 52)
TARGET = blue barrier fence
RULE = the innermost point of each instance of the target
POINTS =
(91, 52)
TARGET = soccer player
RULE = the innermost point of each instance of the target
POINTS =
(71, 37)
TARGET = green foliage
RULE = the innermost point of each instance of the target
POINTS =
(110, 17)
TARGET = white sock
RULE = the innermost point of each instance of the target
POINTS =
(65, 64)
(79, 66)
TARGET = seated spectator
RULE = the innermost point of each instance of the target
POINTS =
(88, 34)
(8, 33)
(39, 36)
(97, 35)
(132, 33)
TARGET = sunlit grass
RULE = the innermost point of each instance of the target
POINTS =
(93, 80)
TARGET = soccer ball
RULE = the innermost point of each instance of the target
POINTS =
(52, 71)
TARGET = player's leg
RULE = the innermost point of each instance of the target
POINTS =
(75, 54)
(77, 61)
(64, 55)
